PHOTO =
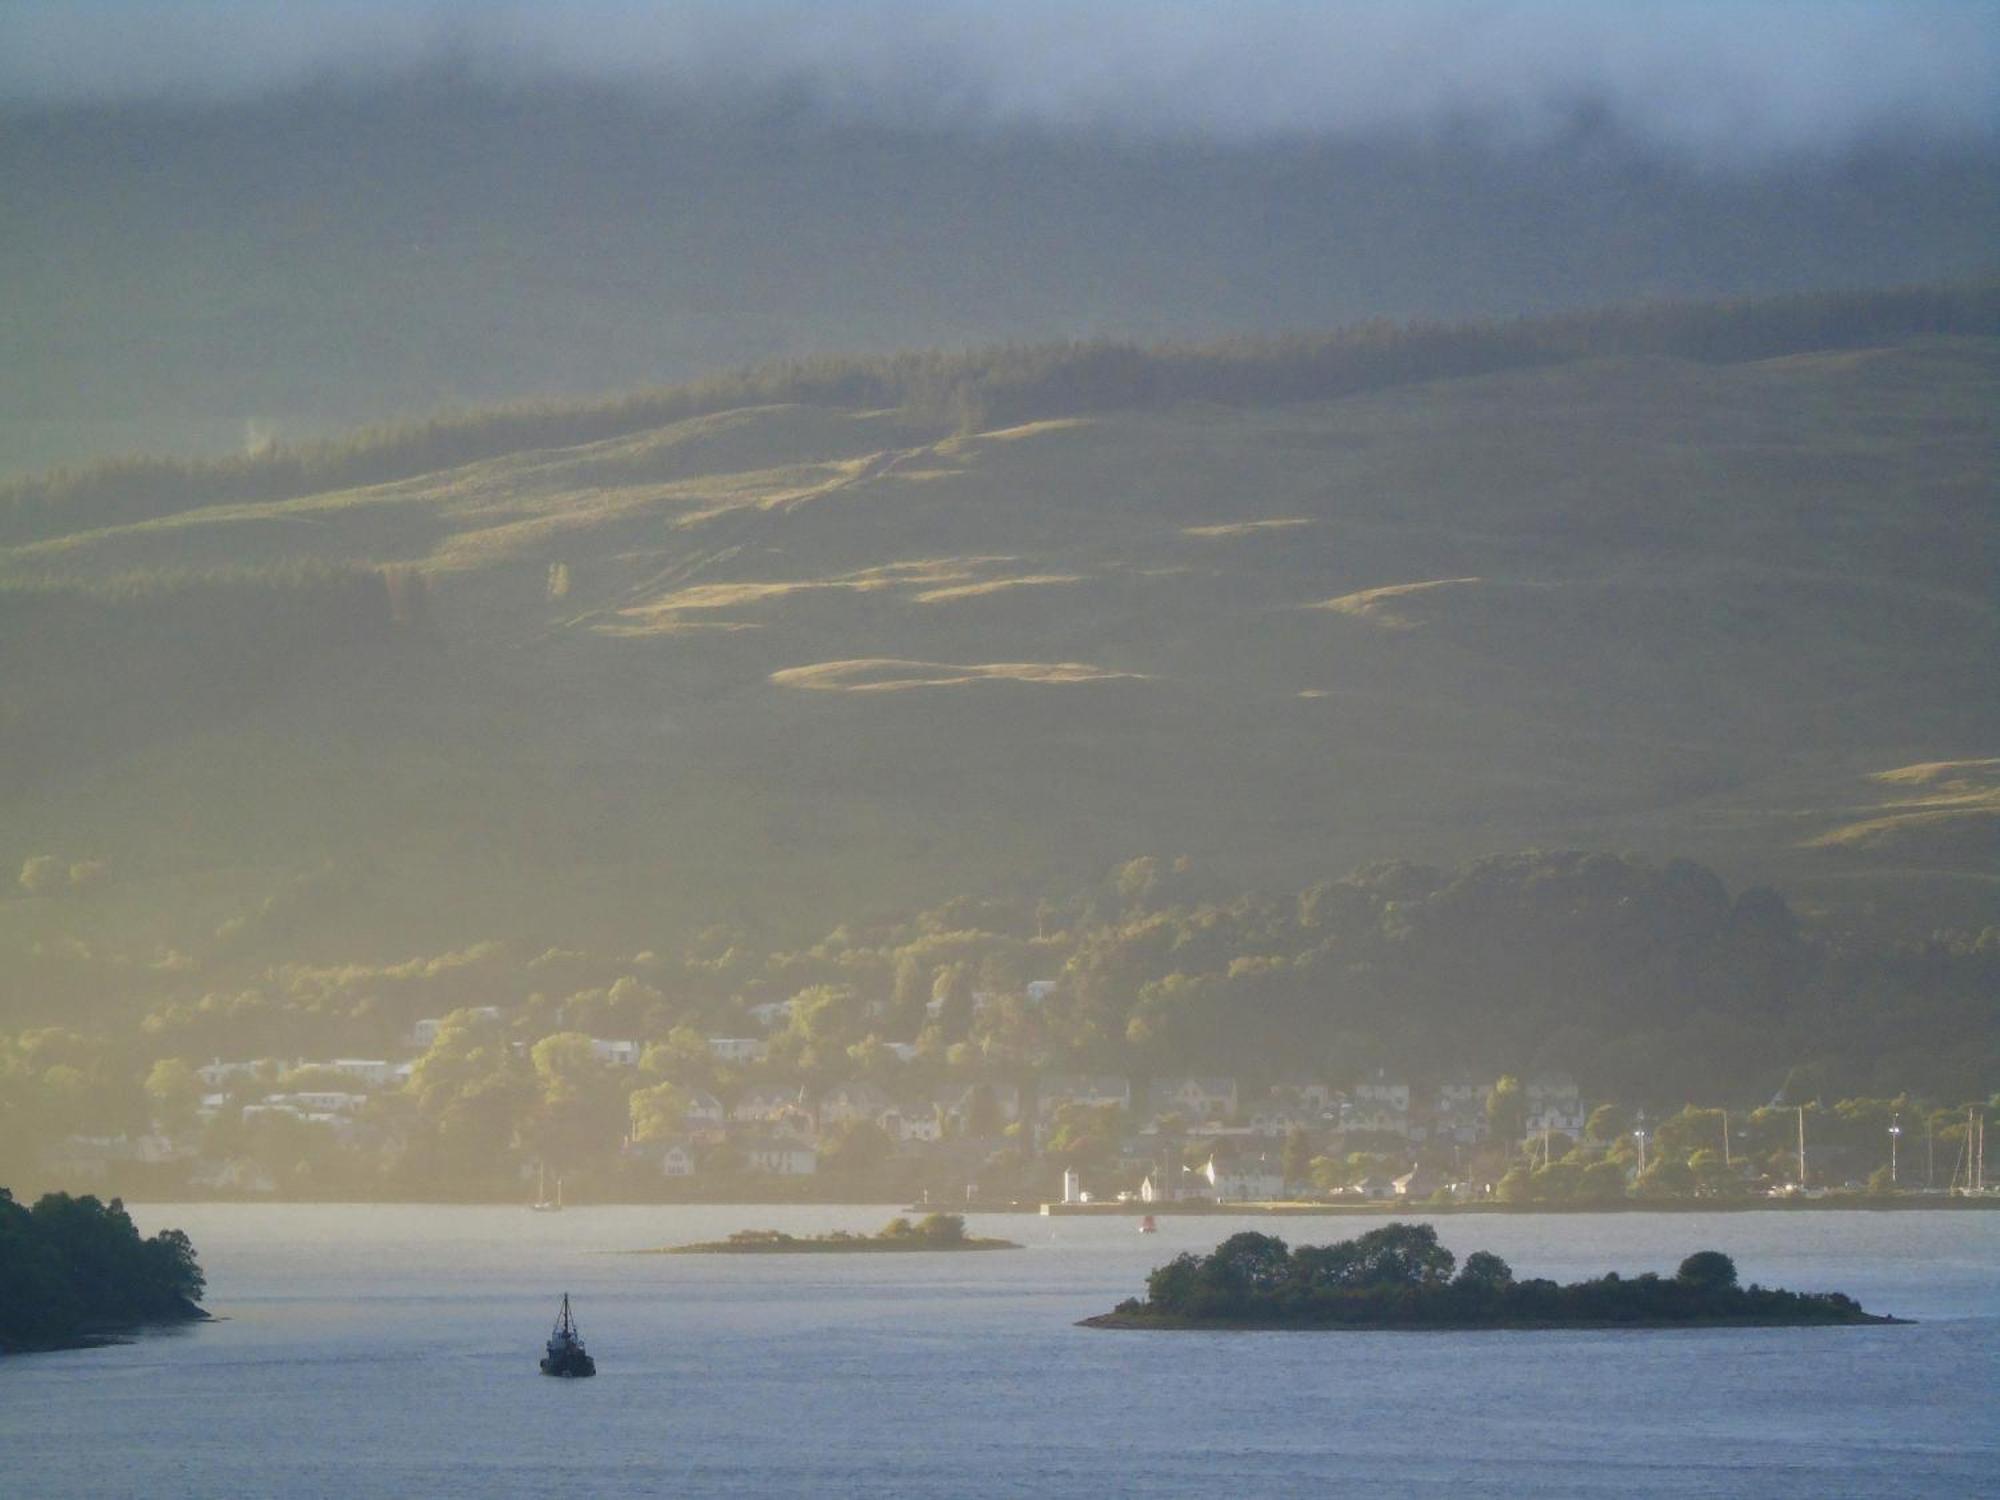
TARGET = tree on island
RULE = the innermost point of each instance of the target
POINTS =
(935, 1229)
(1708, 1271)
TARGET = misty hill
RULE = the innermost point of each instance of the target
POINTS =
(191, 276)
(783, 661)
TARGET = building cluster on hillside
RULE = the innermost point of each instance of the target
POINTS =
(1175, 1137)
(1159, 1139)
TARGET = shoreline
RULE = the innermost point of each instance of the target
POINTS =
(1130, 1323)
(1856, 1202)
(819, 1246)
(106, 1335)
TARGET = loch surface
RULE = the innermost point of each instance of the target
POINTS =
(390, 1351)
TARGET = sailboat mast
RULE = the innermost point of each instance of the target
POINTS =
(1802, 1148)
(1725, 1139)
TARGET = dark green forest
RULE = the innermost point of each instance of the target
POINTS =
(1399, 1276)
(72, 1265)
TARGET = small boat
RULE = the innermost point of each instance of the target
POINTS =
(567, 1356)
(1147, 1226)
(543, 1204)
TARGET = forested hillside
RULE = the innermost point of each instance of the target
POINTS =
(814, 643)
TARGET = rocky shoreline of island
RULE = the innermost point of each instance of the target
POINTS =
(1400, 1278)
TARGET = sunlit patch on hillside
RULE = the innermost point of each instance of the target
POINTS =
(881, 674)
(642, 625)
(1020, 431)
(1247, 528)
(995, 586)
(1378, 606)
(1955, 810)
(926, 580)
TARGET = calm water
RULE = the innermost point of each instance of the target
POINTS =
(390, 1352)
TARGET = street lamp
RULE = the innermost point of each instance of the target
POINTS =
(1895, 1129)
(1639, 1135)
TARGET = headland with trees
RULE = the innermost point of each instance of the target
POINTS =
(75, 1270)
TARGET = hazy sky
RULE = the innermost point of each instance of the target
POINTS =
(1751, 76)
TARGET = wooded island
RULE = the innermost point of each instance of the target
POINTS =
(932, 1232)
(1399, 1276)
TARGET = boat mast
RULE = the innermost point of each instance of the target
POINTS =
(1725, 1139)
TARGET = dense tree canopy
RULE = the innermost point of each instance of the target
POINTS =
(69, 1265)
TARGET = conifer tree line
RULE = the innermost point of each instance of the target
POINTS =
(983, 388)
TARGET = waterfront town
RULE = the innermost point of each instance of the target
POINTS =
(721, 1116)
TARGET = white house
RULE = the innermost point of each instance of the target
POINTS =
(1195, 1098)
(376, 1072)
(618, 1054)
(1280, 1119)
(1040, 990)
(1375, 1120)
(737, 1049)
(703, 1112)
(1383, 1094)
(771, 1014)
(781, 1158)
(1554, 1104)
(845, 1103)
(1245, 1179)
(920, 1126)
(676, 1160)
(1378, 1107)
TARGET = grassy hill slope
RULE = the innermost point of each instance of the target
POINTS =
(778, 662)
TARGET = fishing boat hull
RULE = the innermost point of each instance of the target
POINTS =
(571, 1364)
